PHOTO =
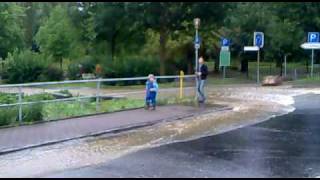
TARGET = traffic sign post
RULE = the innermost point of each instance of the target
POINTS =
(224, 61)
(224, 55)
(255, 48)
(285, 65)
(258, 39)
(312, 55)
(258, 67)
(313, 43)
(313, 37)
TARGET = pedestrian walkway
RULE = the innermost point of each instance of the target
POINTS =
(22, 137)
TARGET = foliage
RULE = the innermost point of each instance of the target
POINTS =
(11, 30)
(130, 67)
(51, 73)
(24, 66)
(87, 65)
(112, 33)
(30, 113)
(74, 71)
(56, 35)
(8, 116)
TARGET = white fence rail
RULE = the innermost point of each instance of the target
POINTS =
(97, 95)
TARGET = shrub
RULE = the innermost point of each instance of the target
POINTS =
(8, 115)
(87, 65)
(52, 73)
(32, 113)
(6, 98)
(24, 66)
(130, 67)
(38, 97)
(74, 72)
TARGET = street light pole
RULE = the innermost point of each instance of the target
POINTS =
(196, 24)
(196, 53)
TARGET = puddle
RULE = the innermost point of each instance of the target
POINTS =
(250, 106)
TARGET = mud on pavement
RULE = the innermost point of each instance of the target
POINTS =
(250, 105)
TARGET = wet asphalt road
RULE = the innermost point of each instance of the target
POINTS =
(286, 146)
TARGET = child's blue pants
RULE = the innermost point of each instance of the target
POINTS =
(151, 99)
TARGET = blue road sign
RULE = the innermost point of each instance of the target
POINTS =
(258, 39)
(197, 40)
(225, 42)
(313, 37)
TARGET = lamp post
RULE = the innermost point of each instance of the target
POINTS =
(196, 22)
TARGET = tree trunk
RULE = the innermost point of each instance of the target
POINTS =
(113, 45)
(162, 52)
(61, 62)
(190, 68)
(307, 65)
(281, 68)
(217, 61)
(29, 23)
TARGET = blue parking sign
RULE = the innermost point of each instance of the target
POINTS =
(258, 39)
(313, 37)
(225, 42)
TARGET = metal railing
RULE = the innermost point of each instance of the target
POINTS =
(97, 94)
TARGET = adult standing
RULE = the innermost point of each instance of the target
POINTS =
(202, 77)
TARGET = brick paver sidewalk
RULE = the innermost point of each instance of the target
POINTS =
(17, 138)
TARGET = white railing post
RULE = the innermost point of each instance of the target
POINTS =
(98, 96)
(20, 104)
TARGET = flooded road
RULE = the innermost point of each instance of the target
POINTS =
(112, 155)
(285, 146)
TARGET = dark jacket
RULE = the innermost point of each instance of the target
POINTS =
(204, 71)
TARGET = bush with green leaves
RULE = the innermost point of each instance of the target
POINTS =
(52, 73)
(74, 72)
(27, 66)
(24, 66)
(87, 64)
(8, 98)
(130, 67)
(30, 113)
(8, 115)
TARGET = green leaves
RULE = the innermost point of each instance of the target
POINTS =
(11, 30)
(57, 35)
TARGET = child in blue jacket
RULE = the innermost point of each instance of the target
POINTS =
(151, 92)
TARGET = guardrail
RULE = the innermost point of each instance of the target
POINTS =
(97, 95)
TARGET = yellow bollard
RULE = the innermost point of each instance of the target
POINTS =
(181, 83)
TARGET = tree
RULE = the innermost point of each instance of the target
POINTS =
(56, 35)
(116, 23)
(243, 20)
(287, 35)
(11, 29)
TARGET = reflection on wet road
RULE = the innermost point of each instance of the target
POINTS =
(285, 146)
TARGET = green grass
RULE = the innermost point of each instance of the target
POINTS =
(61, 110)
(315, 81)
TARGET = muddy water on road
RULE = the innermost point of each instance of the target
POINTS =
(250, 105)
